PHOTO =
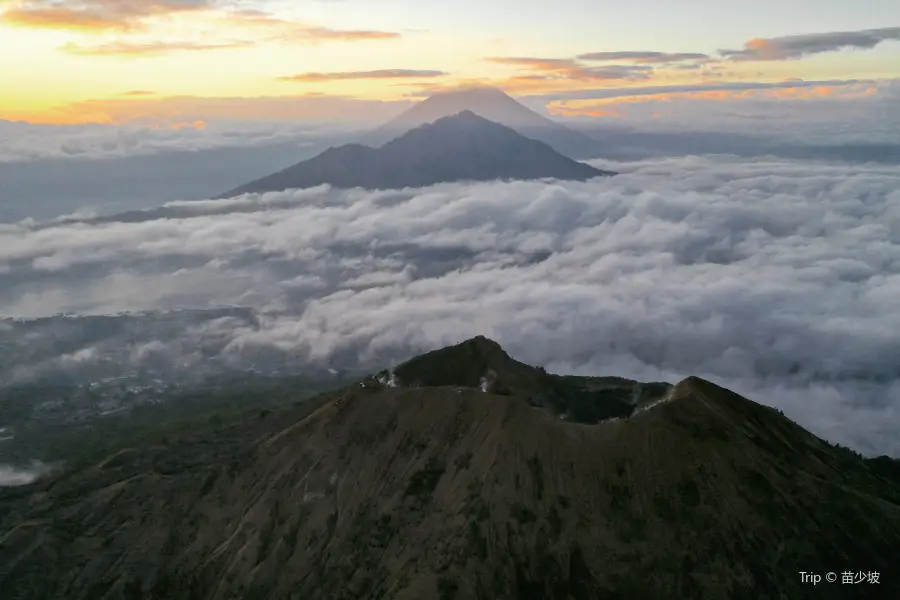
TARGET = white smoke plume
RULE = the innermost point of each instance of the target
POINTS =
(11, 476)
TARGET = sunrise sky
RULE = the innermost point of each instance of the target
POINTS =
(112, 61)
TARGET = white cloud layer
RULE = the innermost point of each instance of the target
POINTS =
(21, 141)
(777, 279)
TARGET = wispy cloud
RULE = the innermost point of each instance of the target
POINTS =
(94, 15)
(570, 69)
(64, 18)
(604, 107)
(535, 63)
(799, 92)
(797, 46)
(377, 74)
(276, 28)
(735, 86)
(130, 17)
(125, 48)
(347, 35)
(850, 120)
(646, 57)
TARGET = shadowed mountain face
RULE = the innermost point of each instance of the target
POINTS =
(493, 104)
(463, 147)
(417, 484)
(482, 363)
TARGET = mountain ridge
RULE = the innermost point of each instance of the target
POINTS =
(460, 147)
(393, 488)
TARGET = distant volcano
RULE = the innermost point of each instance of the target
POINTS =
(462, 147)
(495, 105)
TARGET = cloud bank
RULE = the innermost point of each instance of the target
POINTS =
(777, 279)
(23, 142)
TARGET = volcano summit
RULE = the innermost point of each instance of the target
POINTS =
(462, 147)
(466, 474)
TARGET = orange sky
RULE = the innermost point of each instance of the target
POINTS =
(120, 60)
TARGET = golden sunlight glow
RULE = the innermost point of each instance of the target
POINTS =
(600, 107)
(83, 62)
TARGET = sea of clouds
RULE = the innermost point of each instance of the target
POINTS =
(28, 142)
(778, 279)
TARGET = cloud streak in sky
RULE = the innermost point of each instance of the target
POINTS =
(648, 57)
(94, 15)
(274, 28)
(795, 91)
(143, 30)
(353, 75)
(151, 48)
(793, 47)
(536, 63)
(653, 90)
(647, 64)
(774, 278)
(318, 34)
(570, 69)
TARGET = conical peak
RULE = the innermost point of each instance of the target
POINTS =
(686, 387)
(464, 364)
(462, 116)
(491, 103)
(483, 91)
(483, 345)
(480, 348)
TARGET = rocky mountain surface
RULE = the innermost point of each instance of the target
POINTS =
(465, 474)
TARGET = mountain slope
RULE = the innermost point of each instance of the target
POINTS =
(462, 147)
(493, 104)
(382, 490)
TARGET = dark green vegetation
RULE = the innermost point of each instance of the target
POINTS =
(81, 441)
(449, 492)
